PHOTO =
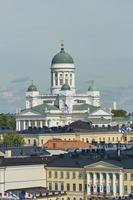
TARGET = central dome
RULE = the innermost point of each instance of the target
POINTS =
(62, 57)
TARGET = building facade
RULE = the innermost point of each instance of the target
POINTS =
(106, 137)
(62, 105)
(97, 179)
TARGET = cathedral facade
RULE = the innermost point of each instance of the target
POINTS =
(63, 105)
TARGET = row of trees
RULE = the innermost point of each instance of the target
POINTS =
(12, 139)
(7, 121)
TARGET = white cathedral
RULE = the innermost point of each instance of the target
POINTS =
(62, 105)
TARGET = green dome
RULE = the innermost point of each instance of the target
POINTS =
(32, 88)
(65, 87)
(62, 57)
(92, 88)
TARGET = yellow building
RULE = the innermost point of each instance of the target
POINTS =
(107, 137)
(83, 177)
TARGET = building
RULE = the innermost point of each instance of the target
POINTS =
(88, 175)
(16, 173)
(63, 105)
(40, 139)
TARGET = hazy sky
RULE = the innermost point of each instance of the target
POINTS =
(97, 33)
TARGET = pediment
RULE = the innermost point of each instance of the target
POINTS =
(29, 113)
(101, 112)
(102, 164)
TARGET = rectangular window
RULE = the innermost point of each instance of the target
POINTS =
(74, 175)
(125, 177)
(131, 177)
(62, 186)
(61, 175)
(67, 175)
(50, 186)
(56, 186)
(74, 187)
(85, 187)
(55, 174)
(56, 81)
(61, 81)
(68, 187)
(80, 175)
(131, 188)
(66, 81)
(50, 174)
(80, 187)
(125, 188)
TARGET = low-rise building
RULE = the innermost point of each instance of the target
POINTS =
(97, 136)
(87, 175)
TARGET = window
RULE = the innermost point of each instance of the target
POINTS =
(42, 141)
(80, 175)
(50, 174)
(55, 174)
(80, 187)
(131, 188)
(66, 81)
(61, 81)
(62, 186)
(125, 188)
(56, 81)
(61, 175)
(29, 141)
(131, 177)
(50, 186)
(85, 187)
(125, 177)
(74, 175)
(67, 175)
(74, 187)
(68, 187)
(56, 186)
(70, 81)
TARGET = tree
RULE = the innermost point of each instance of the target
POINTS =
(119, 113)
(7, 121)
(13, 139)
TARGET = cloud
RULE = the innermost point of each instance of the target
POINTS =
(20, 80)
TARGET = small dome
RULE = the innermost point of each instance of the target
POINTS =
(65, 87)
(32, 88)
(62, 57)
(92, 88)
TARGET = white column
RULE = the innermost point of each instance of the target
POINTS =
(35, 123)
(107, 183)
(24, 125)
(18, 125)
(121, 184)
(41, 124)
(29, 123)
(114, 184)
(101, 183)
(94, 183)
(88, 185)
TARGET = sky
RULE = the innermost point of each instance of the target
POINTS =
(97, 33)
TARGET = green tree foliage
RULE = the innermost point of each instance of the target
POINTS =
(7, 121)
(119, 113)
(13, 139)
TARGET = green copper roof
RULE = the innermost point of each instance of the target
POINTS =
(85, 107)
(65, 87)
(44, 108)
(32, 88)
(62, 57)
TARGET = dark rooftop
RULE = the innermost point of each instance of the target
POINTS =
(84, 158)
